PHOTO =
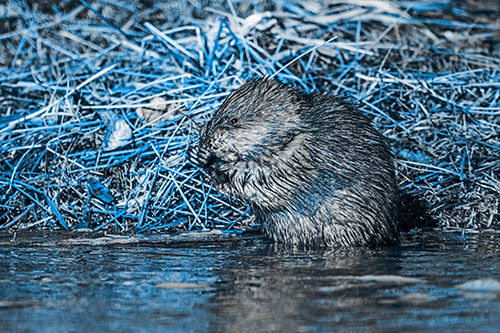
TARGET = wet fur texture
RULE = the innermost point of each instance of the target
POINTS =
(313, 169)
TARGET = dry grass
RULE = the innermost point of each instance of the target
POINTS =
(100, 100)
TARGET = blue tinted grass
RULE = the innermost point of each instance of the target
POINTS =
(430, 85)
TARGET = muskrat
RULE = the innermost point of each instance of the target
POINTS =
(313, 169)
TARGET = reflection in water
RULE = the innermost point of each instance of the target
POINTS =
(265, 292)
(248, 286)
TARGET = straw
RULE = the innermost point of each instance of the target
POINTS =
(100, 102)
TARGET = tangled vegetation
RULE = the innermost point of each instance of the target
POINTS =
(100, 100)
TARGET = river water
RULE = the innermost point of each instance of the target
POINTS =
(246, 286)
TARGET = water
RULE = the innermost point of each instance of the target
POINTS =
(246, 287)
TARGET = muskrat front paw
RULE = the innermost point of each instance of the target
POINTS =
(201, 157)
(192, 154)
(218, 177)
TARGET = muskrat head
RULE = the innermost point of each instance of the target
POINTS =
(253, 124)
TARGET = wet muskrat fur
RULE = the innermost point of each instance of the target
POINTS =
(313, 169)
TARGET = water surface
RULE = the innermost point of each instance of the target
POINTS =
(247, 286)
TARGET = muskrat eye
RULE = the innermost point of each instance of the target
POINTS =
(233, 121)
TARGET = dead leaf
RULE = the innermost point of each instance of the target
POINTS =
(158, 110)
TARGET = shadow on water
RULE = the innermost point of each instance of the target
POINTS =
(247, 286)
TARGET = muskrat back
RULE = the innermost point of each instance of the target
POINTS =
(313, 169)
